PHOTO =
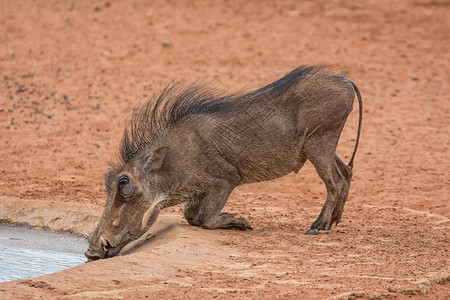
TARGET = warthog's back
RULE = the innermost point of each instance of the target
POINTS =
(263, 133)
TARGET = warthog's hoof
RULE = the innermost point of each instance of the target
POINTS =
(312, 231)
(245, 224)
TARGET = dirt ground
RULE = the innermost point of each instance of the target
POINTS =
(71, 72)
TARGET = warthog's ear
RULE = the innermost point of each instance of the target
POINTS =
(155, 158)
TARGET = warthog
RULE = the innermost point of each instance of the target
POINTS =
(195, 146)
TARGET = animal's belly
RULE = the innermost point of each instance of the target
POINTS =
(270, 167)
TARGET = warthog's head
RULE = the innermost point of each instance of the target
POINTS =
(135, 192)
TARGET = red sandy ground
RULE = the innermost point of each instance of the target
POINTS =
(71, 72)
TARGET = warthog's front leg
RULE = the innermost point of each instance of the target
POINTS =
(191, 211)
(226, 221)
(210, 215)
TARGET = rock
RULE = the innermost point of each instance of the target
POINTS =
(349, 295)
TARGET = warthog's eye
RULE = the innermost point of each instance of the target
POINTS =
(123, 181)
(126, 188)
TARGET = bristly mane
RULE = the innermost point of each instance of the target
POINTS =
(177, 102)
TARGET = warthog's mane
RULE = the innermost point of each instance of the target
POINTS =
(177, 102)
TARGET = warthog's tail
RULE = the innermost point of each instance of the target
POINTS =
(358, 94)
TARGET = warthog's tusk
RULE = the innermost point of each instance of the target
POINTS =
(147, 215)
(86, 235)
(103, 241)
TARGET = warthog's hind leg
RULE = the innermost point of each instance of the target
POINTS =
(347, 173)
(336, 176)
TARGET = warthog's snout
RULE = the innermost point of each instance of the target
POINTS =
(92, 255)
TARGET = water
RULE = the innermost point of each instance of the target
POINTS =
(26, 252)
